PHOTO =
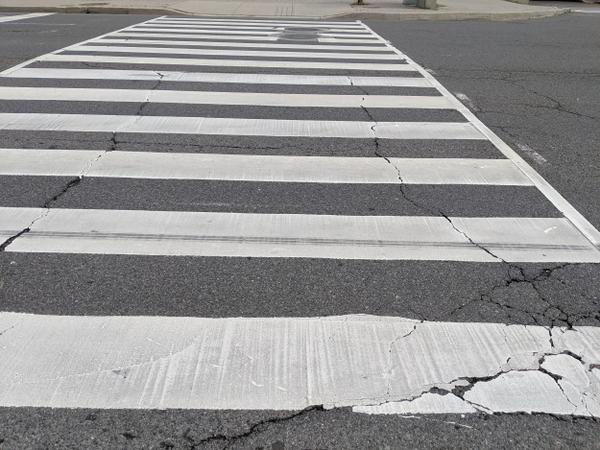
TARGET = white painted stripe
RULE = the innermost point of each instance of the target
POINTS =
(330, 65)
(262, 45)
(134, 33)
(276, 23)
(16, 17)
(223, 98)
(293, 363)
(279, 21)
(240, 127)
(221, 52)
(174, 233)
(586, 11)
(262, 27)
(244, 33)
(574, 216)
(303, 169)
(217, 77)
(245, 38)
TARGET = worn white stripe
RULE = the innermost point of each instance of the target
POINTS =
(245, 38)
(66, 57)
(261, 27)
(276, 23)
(293, 363)
(249, 33)
(242, 127)
(16, 17)
(223, 98)
(342, 48)
(173, 233)
(220, 52)
(304, 169)
(217, 77)
(311, 23)
(300, 28)
(586, 11)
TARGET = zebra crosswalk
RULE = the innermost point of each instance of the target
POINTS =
(332, 124)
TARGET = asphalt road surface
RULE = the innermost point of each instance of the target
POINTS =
(250, 234)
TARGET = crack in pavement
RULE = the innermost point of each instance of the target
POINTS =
(556, 314)
(461, 386)
(146, 101)
(48, 204)
(490, 73)
(257, 427)
(555, 105)
(514, 272)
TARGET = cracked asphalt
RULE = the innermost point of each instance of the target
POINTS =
(534, 83)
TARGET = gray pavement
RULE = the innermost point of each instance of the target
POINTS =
(532, 83)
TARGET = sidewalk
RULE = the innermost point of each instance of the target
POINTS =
(376, 9)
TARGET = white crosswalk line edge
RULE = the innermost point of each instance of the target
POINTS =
(304, 169)
(261, 45)
(217, 77)
(15, 17)
(223, 98)
(294, 363)
(240, 127)
(222, 37)
(174, 233)
(220, 52)
(277, 64)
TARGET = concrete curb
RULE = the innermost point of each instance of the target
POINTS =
(455, 16)
(91, 10)
(406, 15)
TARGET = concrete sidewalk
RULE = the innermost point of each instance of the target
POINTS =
(375, 9)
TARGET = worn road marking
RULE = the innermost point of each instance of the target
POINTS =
(217, 77)
(277, 64)
(249, 28)
(271, 38)
(586, 11)
(273, 23)
(15, 17)
(532, 153)
(166, 23)
(220, 52)
(240, 127)
(281, 22)
(373, 364)
(328, 34)
(303, 169)
(262, 45)
(223, 98)
(175, 233)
